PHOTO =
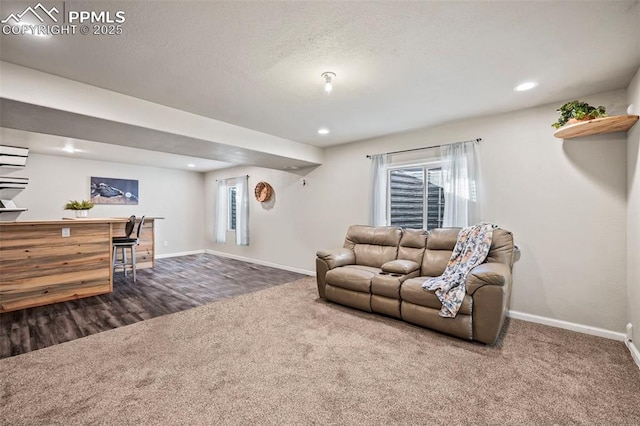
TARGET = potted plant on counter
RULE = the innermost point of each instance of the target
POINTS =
(575, 111)
(80, 207)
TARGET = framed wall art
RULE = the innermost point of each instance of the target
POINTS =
(114, 191)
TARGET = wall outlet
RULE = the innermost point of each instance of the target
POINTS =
(166, 243)
(66, 232)
(629, 332)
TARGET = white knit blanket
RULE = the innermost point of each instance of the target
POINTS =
(471, 250)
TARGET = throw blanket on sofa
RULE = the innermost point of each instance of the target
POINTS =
(470, 250)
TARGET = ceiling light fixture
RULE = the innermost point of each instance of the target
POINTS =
(191, 165)
(528, 85)
(323, 131)
(328, 80)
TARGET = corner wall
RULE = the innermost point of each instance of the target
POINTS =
(173, 194)
(565, 202)
(633, 214)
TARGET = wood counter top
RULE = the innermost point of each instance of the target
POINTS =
(68, 220)
(64, 221)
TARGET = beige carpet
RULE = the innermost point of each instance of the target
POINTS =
(282, 356)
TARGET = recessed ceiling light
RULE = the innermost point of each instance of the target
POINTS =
(323, 131)
(191, 165)
(528, 85)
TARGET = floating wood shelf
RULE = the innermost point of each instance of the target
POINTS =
(12, 210)
(9, 215)
(616, 123)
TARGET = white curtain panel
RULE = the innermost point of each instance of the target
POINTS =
(222, 201)
(378, 208)
(461, 179)
(242, 210)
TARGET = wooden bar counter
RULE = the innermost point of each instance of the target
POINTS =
(40, 265)
(145, 250)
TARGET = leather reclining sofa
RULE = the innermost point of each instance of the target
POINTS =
(382, 269)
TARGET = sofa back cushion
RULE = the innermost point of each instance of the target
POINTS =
(441, 241)
(440, 244)
(373, 246)
(412, 245)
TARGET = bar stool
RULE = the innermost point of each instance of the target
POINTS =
(124, 243)
(128, 228)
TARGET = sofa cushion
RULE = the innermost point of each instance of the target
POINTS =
(440, 244)
(373, 246)
(435, 262)
(412, 245)
(412, 291)
(386, 285)
(402, 267)
(352, 277)
(443, 238)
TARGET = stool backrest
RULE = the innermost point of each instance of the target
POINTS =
(139, 228)
(128, 228)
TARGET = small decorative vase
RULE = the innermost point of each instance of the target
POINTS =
(82, 213)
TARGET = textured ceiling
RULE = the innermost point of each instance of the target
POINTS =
(399, 65)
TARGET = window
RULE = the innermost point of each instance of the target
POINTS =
(231, 226)
(232, 209)
(426, 188)
(412, 204)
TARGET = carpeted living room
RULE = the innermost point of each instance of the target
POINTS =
(320, 212)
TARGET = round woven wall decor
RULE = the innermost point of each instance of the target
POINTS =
(263, 192)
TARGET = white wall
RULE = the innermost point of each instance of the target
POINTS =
(173, 194)
(565, 202)
(633, 213)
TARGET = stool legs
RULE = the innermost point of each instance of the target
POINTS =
(133, 262)
(124, 263)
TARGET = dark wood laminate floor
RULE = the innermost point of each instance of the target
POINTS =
(174, 285)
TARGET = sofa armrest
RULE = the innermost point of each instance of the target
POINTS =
(330, 259)
(400, 266)
(337, 257)
(494, 273)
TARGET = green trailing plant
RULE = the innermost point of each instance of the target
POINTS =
(78, 205)
(579, 111)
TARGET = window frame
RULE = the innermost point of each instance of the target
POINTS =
(426, 165)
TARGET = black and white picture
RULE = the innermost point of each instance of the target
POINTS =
(114, 191)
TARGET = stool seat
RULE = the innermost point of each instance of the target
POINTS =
(123, 240)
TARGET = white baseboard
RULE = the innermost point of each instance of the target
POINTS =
(635, 353)
(580, 328)
(262, 262)
(183, 253)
